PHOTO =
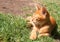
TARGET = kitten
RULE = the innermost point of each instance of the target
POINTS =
(42, 22)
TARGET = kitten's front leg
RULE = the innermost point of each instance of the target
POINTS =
(29, 19)
(44, 31)
(33, 34)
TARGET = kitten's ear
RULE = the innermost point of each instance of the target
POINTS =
(38, 7)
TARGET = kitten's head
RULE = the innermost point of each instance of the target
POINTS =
(41, 14)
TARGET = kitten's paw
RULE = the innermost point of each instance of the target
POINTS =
(45, 34)
(28, 18)
(33, 37)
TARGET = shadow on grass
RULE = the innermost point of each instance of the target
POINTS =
(55, 34)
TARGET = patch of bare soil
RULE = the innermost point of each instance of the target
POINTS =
(16, 6)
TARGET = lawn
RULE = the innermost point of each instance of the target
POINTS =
(13, 28)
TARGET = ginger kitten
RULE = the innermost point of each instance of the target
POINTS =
(42, 22)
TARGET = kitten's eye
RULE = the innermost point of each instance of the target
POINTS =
(43, 12)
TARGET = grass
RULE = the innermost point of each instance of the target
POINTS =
(14, 29)
(11, 27)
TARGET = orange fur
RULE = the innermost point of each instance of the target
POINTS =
(42, 23)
